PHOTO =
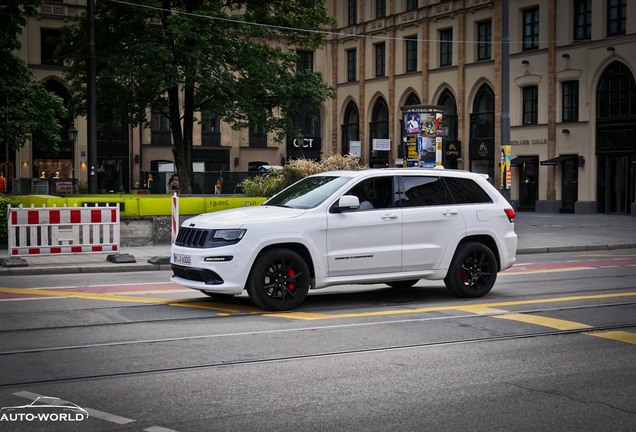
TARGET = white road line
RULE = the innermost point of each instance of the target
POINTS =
(159, 429)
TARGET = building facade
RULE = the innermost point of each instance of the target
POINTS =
(552, 79)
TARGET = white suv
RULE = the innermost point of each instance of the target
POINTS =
(392, 226)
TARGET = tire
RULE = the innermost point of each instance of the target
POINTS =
(279, 280)
(403, 283)
(472, 272)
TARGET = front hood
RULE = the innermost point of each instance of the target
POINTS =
(237, 218)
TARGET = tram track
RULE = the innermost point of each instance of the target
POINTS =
(319, 355)
(296, 330)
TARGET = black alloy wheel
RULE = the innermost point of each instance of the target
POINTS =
(279, 280)
(472, 272)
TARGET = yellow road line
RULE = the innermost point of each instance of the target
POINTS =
(220, 307)
(621, 336)
(512, 271)
(559, 324)
(468, 308)
(83, 295)
(554, 323)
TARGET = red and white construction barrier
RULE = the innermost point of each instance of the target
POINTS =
(63, 230)
(175, 217)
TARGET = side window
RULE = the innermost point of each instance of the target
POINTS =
(423, 191)
(374, 193)
(466, 191)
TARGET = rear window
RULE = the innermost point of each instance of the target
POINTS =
(466, 191)
(423, 191)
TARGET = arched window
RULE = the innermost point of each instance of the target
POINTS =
(616, 96)
(379, 129)
(482, 120)
(447, 100)
(412, 99)
(350, 127)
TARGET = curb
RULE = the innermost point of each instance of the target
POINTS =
(557, 249)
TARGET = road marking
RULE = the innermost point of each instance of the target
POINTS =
(220, 307)
(554, 323)
(559, 324)
(621, 336)
(309, 316)
(112, 297)
(112, 418)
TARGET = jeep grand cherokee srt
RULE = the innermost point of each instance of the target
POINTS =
(415, 224)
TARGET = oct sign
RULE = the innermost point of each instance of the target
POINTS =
(304, 147)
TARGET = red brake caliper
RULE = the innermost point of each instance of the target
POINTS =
(291, 286)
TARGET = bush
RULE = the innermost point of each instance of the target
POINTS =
(272, 182)
(4, 202)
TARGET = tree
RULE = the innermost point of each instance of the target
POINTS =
(228, 58)
(27, 109)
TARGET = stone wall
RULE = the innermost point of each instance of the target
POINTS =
(146, 230)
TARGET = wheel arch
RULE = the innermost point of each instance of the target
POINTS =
(299, 248)
(485, 240)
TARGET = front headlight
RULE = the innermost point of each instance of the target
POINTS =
(229, 234)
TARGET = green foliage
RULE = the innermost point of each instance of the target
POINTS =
(273, 181)
(4, 201)
(32, 111)
(235, 60)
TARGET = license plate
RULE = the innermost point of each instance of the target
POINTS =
(182, 259)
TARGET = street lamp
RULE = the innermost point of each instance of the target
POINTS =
(72, 136)
(72, 133)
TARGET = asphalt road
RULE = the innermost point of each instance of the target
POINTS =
(552, 347)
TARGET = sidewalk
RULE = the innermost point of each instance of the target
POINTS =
(538, 233)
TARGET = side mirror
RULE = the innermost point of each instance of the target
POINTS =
(347, 203)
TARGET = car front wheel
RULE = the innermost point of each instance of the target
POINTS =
(472, 272)
(279, 280)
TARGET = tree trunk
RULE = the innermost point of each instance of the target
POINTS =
(182, 149)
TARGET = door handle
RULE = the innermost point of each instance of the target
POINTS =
(450, 212)
(390, 216)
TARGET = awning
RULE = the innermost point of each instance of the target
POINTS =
(556, 160)
(523, 159)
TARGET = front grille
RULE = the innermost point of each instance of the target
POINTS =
(192, 237)
(198, 275)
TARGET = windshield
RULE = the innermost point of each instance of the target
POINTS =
(308, 192)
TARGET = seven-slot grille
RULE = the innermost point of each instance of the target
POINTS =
(193, 237)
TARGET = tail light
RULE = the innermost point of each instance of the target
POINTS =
(510, 213)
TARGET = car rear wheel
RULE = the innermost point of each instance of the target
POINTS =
(279, 280)
(403, 283)
(472, 272)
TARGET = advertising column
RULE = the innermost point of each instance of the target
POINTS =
(423, 138)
